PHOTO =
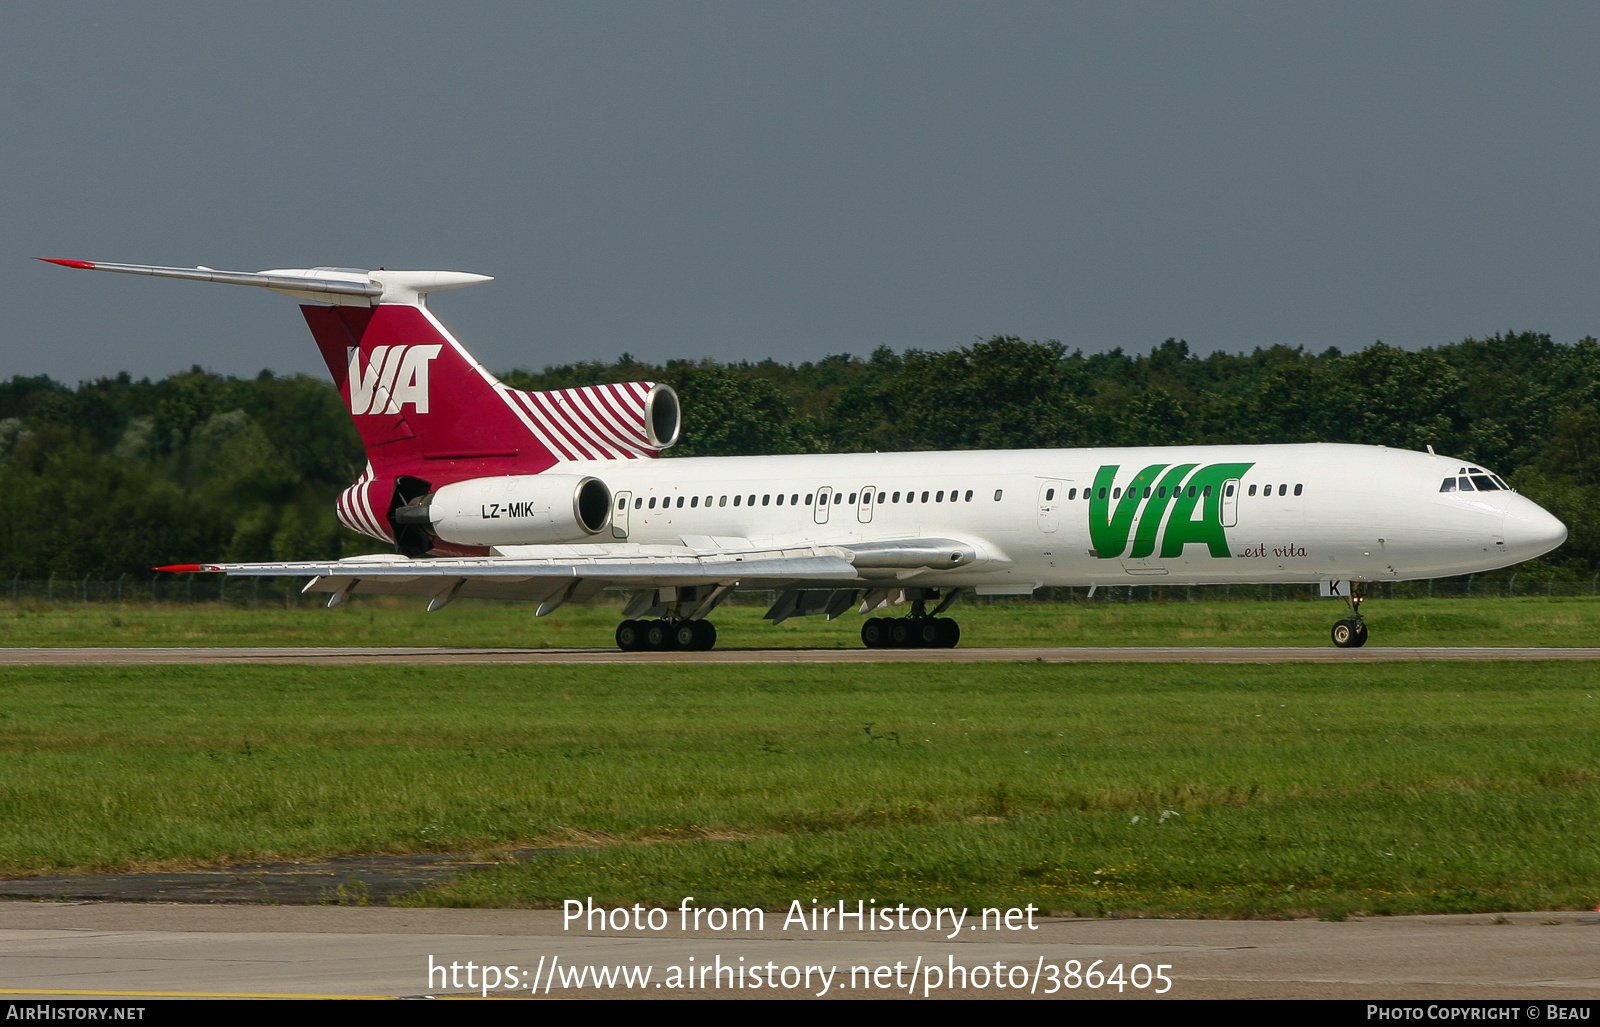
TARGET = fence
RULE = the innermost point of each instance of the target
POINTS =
(216, 589)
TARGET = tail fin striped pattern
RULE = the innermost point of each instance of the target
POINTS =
(598, 422)
(356, 511)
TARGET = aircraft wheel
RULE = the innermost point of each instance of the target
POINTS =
(874, 633)
(685, 635)
(630, 636)
(949, 633)
(928, 633)
(1361, 633)
(705, 635)
(900, 634)
(657, 635)
(1349, 634)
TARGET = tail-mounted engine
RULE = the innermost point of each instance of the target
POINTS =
(526, 509)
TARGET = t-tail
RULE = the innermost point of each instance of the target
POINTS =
(428, 413)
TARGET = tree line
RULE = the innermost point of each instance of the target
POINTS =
(118, 475)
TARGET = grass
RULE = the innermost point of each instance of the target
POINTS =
(1114, 789)
(1532, 621)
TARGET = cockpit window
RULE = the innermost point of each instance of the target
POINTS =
(1448, 486)
(1484, 483)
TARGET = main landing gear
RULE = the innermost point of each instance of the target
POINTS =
(657, 635)
(1352, 633)
(910, 633)
(918, 631)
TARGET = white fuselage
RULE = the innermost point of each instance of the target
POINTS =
(1334, 512)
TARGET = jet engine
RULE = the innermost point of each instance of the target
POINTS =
(522, 509)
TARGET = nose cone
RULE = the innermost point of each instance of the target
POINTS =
(1531, 531)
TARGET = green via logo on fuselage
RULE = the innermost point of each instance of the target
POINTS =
(1147, 498)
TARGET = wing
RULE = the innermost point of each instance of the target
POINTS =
(553, 575)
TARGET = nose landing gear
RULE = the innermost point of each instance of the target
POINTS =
(1352, 633)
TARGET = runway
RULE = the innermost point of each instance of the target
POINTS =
(148, 951)
(350, 655)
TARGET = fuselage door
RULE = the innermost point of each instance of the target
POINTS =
(824, 500)
(1051, 496)
(619, 515)
(864, 507)
(1230, 503)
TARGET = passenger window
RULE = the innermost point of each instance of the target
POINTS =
(736, 500)
(1230, 490)
(1161, 493)
(882, 496)
(940, 497)
(723, 501)
(1298, 489)
(1147, 492)
(997, 495)
(680, 502)
(969, 494)
(751, 501)
(1252, 490)
(1283, 490)
(809, 497)
(694, 502)
(637, 503)
(1207, 492)
(1048, 493)
(897, 497)
(780, 499)
(1116, 493)
(1102, 494)
(1071, 494)
(852, 499)
(766, 500)
(1191, 491)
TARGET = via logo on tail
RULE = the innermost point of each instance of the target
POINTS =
(1194, 497)
(393, 377)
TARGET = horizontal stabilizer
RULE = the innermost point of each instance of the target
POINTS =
(344, 286)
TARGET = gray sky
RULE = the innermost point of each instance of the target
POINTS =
(753, 180)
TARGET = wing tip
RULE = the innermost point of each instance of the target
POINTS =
(85, 264)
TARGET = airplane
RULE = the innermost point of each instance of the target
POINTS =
(556, 497)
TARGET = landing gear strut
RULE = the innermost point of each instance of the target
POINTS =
(918, 631)
(645, 635)
(1352, 633)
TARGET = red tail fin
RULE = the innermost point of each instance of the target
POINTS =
(428, 411)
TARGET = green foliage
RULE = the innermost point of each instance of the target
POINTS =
(199, 465)
(119, 476)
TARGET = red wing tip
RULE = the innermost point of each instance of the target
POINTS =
(87, 264)
(186, 568)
